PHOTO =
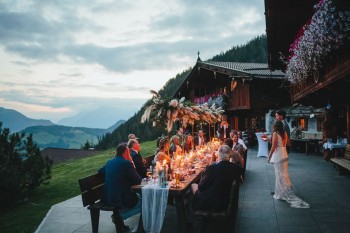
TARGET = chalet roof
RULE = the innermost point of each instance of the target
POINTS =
(58, 155)
(227, 70)
(253, 70)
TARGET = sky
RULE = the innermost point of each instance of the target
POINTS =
(61, 58)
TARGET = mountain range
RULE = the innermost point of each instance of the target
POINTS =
(16, 121)
(47, 134)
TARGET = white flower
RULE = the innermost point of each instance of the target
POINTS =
(174, 103)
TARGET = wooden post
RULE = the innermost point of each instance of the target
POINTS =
(209, 132)
(214, 131)
(348, 123)
(193, 137)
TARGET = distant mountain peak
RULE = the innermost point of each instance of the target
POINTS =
(16, 121)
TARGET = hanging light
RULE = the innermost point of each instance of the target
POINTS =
(233, 84)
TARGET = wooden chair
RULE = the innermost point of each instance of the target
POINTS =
(91, 188)
(149, 161)
(245, 162)
(227, 215)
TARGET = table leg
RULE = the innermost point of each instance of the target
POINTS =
(317, 147)
(180, 211)
(307, 148)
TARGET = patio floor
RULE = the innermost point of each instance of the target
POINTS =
(314, 180)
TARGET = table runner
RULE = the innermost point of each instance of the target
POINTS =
(154, 202)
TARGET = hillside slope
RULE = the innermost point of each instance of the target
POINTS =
(59, 136)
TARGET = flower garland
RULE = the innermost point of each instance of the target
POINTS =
(166, 111)
(327, 30)
(219, 99)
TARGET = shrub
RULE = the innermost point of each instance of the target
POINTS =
(22, 168)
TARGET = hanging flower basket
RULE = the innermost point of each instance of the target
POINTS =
(327, 30)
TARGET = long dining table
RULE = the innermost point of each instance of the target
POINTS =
(179, 194)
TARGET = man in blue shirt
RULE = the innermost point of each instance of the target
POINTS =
(120, 175)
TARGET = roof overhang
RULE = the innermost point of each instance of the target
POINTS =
(284, 19)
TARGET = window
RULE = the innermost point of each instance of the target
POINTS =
(319, 124)
(303, 124)
(300, 123)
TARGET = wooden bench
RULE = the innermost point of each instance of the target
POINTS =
(91, 188)
(343, 163)
(227, 215)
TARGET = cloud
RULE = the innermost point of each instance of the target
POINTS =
(64, 57)
(165, 37)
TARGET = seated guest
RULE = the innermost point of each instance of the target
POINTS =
(240, 140)
(120, 175)
(139, 162)
(175, 146)
(132, 136)
(235, 156)
(188, 143)
(162, 152)
(213, 190)
(237, 146)
(199, 140)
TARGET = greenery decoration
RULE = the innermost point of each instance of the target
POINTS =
(165, 111)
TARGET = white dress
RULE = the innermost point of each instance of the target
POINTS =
(283, 186)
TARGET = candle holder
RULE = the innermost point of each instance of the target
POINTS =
(177, 179)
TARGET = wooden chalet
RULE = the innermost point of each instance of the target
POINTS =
(59, 155)
(330, 86)
(250, 90)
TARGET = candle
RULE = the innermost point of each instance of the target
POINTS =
(177, 179)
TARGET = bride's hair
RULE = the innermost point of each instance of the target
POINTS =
(278, 127)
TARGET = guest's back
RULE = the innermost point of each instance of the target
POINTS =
(215, 185)
(120, 175)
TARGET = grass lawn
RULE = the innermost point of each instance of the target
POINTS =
(27, 216)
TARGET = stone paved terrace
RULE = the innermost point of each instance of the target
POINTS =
(314, 180)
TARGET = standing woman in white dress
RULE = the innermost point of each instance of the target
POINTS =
(283, 186)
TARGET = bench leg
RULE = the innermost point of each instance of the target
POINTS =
(118, 222)
(95, 218)
(140, 228)
(199, 224)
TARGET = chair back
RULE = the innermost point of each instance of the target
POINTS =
(91, 188)
(233, 201)
(149, 161)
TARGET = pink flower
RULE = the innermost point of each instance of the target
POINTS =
(174, 103)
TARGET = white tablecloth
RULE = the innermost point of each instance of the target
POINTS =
(331, 145)
(154, 202)
(263, 146)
